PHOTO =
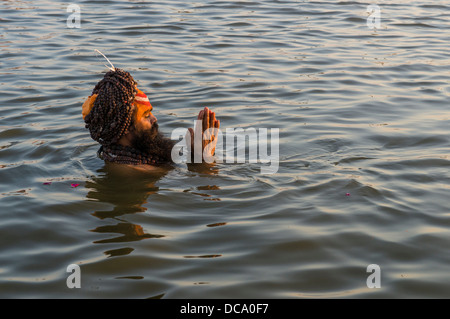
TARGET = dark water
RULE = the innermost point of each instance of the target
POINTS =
(364, 164)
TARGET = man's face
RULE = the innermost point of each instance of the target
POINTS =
(145, 134)
(145, 120)
(145, 131)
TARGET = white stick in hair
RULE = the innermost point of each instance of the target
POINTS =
(113, 68)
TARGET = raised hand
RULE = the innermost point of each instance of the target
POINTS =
(205, 133)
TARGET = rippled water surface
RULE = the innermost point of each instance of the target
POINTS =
(364, 162)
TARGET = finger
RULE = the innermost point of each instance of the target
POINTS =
(212, 119)
(200, 115)
(205, 127)
(211, 124)
(204, 112)
(205, 119)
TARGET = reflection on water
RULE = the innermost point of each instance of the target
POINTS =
(127, 190)
(130, 232)
(119, 252)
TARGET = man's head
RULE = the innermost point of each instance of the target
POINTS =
(117, 109)
(118, 113)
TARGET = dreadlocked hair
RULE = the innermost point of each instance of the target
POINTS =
(112, 112)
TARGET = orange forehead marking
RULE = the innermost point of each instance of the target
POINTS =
(142, 105)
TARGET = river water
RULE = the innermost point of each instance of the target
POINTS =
(363, 172)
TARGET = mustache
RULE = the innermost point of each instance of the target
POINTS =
(154, 130)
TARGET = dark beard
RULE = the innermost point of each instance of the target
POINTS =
(154, 143)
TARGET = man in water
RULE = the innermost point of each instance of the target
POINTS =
(119, 117)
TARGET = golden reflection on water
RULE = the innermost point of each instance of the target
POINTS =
(130, 232)
(128, 189)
